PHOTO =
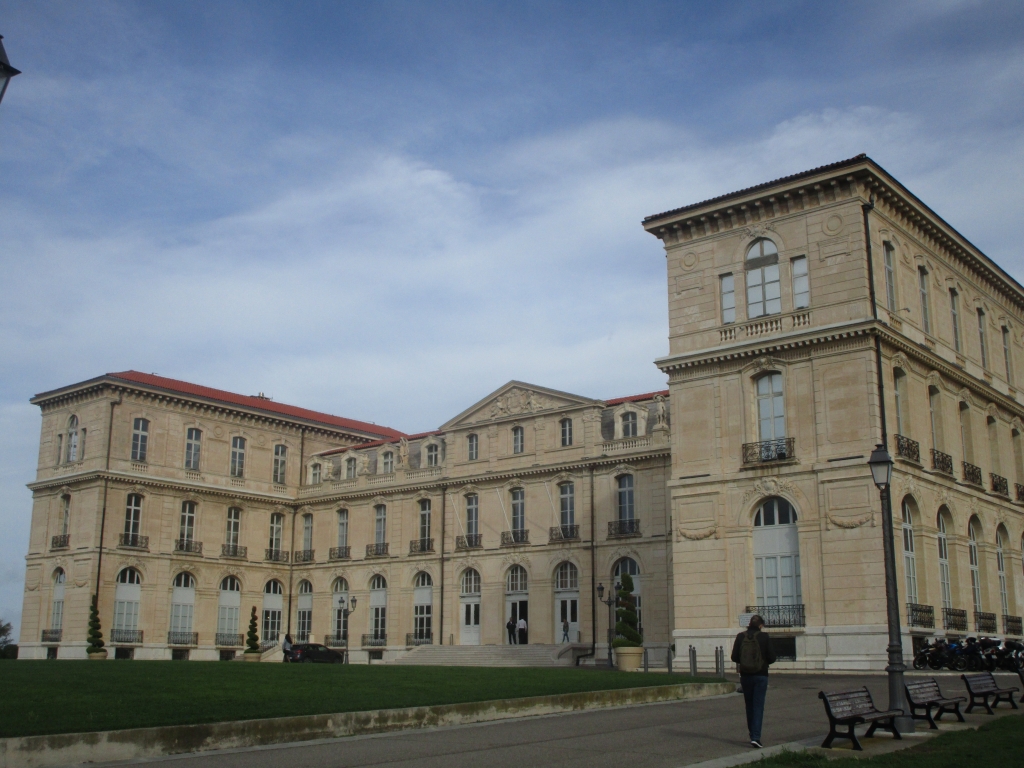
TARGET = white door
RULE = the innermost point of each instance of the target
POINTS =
(567, 608)
(517, 606)
(470, 611)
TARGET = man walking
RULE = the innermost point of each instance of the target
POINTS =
(521, 626)
(511, 627)
(752, 652)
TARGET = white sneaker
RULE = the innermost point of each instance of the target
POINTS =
(756, 744)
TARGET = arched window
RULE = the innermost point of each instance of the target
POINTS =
(472, 447)
(315, 474)
(228, 610)
(471, 582)
(516, 581)
(566, 426)
(350, 468)
(193, 448)
(128, 576)
(185, 580)
(304, 612)
(909, 554)
(567, 508)
(273, 609)
(72, 454)
(764, 293)
(625, 565)
(280, 463)
(518, 440)
(423, 580)
(276, 532)
(629, 424)
(388, 462)
(305, 588)
(379, 609)
(625, 506)
(776, 554)
(378, 582)
(183, 598)
(273, 587)
(433, 452)
(567, 577)
(57, 608)
(340, 585)
(230, 584)
(944, 583)
(127, 596)
(899, 379)
(1001, 566)
(771, 409)
(975, 561)
(140, 439)
(238, 457)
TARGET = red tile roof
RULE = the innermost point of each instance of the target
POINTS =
(637, 398)
(256, 403)
(375, 443)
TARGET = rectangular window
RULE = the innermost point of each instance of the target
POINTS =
(187, 524)
(626, 508)
(518, 440)
(935, 417)
(922, 284)
(280, 461)
(728, 284)
(981, 338)
(342, 527)
(238, 457)
(518, 509)
(566, 425)
(126, 614)
(629, 424)
(380, 622)
(380, 532)
(890, 276)
(227, 620)
(271, 625)
(140, 439)
(60, 443)
(801, 284)
(424, 519)
(764, 294)
(899, 380)
(954, 312)
(432, 455)
(193, 443)
(65, 522)
(181, 617)
(421, 621)
(1006, 355)
(57, 614)
(133, 515)
(472, 514)
(473, 447)
(314, 474)
(307, 532)
(233, 527)
(389, 463)
(304, 624)
(276, 530)
(567, 503)
(350, 468)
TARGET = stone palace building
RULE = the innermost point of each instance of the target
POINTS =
(810, 318)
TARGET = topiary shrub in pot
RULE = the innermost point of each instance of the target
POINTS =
(628, 643)
(95, 651)
(252, 640)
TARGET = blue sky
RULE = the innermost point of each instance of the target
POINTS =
(387, 210)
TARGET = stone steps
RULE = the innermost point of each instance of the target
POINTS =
(489, 656)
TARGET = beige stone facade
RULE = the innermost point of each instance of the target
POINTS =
(781, 321)
(562, 490)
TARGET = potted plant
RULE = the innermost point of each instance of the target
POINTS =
(629, 645)
(96, 651)
(252, 640)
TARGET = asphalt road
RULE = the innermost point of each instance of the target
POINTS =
(661, 735)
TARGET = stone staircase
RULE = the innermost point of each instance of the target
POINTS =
(493, 655)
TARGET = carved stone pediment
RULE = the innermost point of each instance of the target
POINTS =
(517, 399)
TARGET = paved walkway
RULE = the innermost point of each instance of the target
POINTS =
(661, 735)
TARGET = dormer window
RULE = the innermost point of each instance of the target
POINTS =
(388, 462)
(473, 447)
(764, 294)
(350, 468)
(432, 455)
(314, 474)
(629, 424)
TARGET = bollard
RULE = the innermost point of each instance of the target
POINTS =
(645, 661)
(693, 661)
(668, 657)
(720, 661)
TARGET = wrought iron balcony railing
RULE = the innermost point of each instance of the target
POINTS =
(1012, 625)
(908, 449)
(133, 541)
(376, 640)
(1020, 491)
(62, 541)
(377, 550)
(419, 638)
(564, 533)
(183, 638)
(511, 538)
(954, 619)
(188, 545)
(469, 541)
(780, 615)
(942, 462)
(340, 553)
(276, 556)
(985, 622)
(972, 474)
(303, 556)
(233, 550)
(782, 449)
(230, 639)
(335, 640)
(51, 635)
(266, 645)
(920, 615)
(132, 636)
(618, 529)
(421, 545)
(1000, 484)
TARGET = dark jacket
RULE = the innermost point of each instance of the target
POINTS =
(767, 652)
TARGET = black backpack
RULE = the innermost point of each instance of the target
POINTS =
(751, 658)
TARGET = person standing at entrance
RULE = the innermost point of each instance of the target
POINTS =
(521, 626)
(511, 627)
(752, 652)
(286, 649)
(565, 631)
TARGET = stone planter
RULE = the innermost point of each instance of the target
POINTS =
(100, 655)
(251, 656)
(628, 659)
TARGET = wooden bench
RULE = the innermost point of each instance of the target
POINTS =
(925, 694)
(981, 686)
(851, 708)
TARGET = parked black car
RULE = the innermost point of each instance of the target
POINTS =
(311, 652)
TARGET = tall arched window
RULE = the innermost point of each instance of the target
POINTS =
(776, 554)
(518, 440)
(339, 619)
(72, 444)
(975, 560)
(472, 448)
(566, 427)
(764, 293)
(379, 610)
(517, 600)
(944, 583)
(1001, 566)
(567, 603)
(273, 607)
(516, 581)
(567, 576)
(57, 608)
(228, 609)
(771, 411)
(422, 608)
(127, 596)
(304, 612)
(183, 599)
(909, 555)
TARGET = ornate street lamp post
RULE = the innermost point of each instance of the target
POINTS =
(881, 472)
(6, 70)
(610, 602)
(345, 612)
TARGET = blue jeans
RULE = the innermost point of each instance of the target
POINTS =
(755, 687)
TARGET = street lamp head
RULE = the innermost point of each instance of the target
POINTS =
(881, 467)
(6, 70)
(600, 591)
(352, 602)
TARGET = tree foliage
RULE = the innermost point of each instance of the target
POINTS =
(626, 621)
(95, 635)
(252, 640)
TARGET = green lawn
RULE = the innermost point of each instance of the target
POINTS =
(996, 744)
(70, 696)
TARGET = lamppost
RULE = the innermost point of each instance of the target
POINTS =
(610, 602)
(881, 472)
(6, 70)
(345, 611)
